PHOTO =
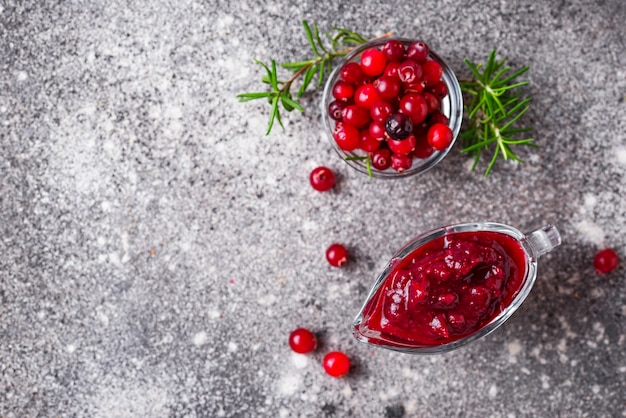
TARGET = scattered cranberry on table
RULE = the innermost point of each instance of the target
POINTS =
(302, 341)
(605, 261)
(322, 179)
(336, 364)
(337, 255)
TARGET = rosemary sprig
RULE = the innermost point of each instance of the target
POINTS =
(366, 158)
(493, 111)
(342, 41)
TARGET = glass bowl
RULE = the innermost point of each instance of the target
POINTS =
(394, 316)
(451, 107)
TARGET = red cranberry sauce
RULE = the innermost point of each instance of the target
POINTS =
(446, 289)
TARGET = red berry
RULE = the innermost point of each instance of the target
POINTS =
(401, 163)
(302, 341)
(414, 87)
(439, 89)
(409, 72)
(335, 110)
(432, 72)
(605, 261)
(336, 364)
(355, 116)
(387, 87)
(418, 52)
(368, 142)
(322, 179)
(422, 148)
(365, 96)
(439, 136)
(403, 146)
(438, 117)
(381, 159)
(432, 102)
(393, 50)
(373, 62)
(347, 137)
(380, 111)
(337, 255)
(414, 105)
(377, 130)
(352, 73)
(391, 70)
(343, 91)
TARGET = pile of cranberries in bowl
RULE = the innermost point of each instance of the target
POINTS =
(393, 105)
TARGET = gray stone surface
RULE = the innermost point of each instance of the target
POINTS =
(156, 249)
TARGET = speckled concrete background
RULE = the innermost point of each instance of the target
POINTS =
(156, 249)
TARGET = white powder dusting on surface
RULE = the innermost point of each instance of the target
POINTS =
(200, 338)
(514, 348)
(122, 399)
(288, 385)
(300, 361)
(493, 391)
(620, 155)
(591, 232)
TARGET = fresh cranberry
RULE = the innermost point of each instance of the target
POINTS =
(352, 73)
(393, 50)
(432, 72)
(335, 109)
(432, 102)
(337, 255)
(343, 91)
(365, 96)
(400, 162)
(322, 179)
(336, 364)
(398, 126)
(438, 117)
(402, 146)
(381, 159)
(605, 261)
(373, 62)
(377, 130)
(417, 87)
(415, 107)
(355, 116)
(439, 89)
(418, 52)
(387, 87)
(409, 72)
(302, 341)
(347, 137)
(439, 136)
(391, 70)
(422, 148)
(380, 111)
(368, 142)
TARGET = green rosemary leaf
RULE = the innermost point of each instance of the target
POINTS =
(246, 97)
(319, 40)
(308, 76)
(320, 78)
(273, 114)
(309, 36)
(295, 66)
(292, 103)
(474, 69)
(274, 76)
(513, 76)
(509, 87)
